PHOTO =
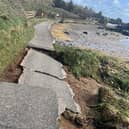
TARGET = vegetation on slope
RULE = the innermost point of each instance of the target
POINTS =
(12, 41)
(86, 63)
(14, 32)
(112, 109)
(36, 4)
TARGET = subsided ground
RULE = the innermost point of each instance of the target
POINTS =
(88, 93)
(85, 90)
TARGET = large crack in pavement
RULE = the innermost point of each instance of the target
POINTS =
(39, 98)
(37, 61)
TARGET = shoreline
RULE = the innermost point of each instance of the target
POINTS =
(105, 41)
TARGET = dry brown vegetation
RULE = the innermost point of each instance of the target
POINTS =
(58, 32)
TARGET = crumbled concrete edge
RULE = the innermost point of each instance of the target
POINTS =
(64, 108)
(20, 81)
(31, 45)
(73, 94)
(64, 73)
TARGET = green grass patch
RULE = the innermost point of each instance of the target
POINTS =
(86, 63)
(112, 111)
(14, 35)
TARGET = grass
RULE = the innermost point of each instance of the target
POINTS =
(86, 63)
(112, 109)
(14, 35)
(37, 20)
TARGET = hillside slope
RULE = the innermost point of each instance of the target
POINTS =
(35, 4)
(10, 8)
(14, 32)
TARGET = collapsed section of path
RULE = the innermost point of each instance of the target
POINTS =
(45, 72)
(41, 95)
(38, 62)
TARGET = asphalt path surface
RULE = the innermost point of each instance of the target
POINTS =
(24, 107)
(41, 94)
(60, 87)
(40, 62)
(42, 39)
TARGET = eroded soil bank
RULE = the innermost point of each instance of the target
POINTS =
(14, 70)
(85, 90)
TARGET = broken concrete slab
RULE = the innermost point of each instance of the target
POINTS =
(61, 88)
(25, 107)
(42, 39)
(37, 61)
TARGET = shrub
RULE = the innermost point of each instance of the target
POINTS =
(86, 63)
(80, 63)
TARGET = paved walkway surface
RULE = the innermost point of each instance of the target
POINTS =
(24, 107)
(43, 95)
(37, 61)
(42, 38)
(61, 88)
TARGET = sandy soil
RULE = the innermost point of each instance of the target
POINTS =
(58, 32)
(85, 90)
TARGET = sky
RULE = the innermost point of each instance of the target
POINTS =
(111, 8)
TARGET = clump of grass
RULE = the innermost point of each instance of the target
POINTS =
(112, 110)
(86, 63)
(14, 36)
(80, 63)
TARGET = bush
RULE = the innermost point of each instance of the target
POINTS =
(112, 110)
(80, 63)
(86, 63)
(14, 36)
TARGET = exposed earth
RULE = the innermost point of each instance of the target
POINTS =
(85, 89)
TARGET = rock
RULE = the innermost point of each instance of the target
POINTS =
(76, 118)
(42, 63)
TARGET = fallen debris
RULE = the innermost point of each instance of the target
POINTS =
(75, 117)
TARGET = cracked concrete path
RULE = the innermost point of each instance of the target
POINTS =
(37, 61)
(45, 72)
(43, 95)
(42, 38)
(25, 107)
(61, 88)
